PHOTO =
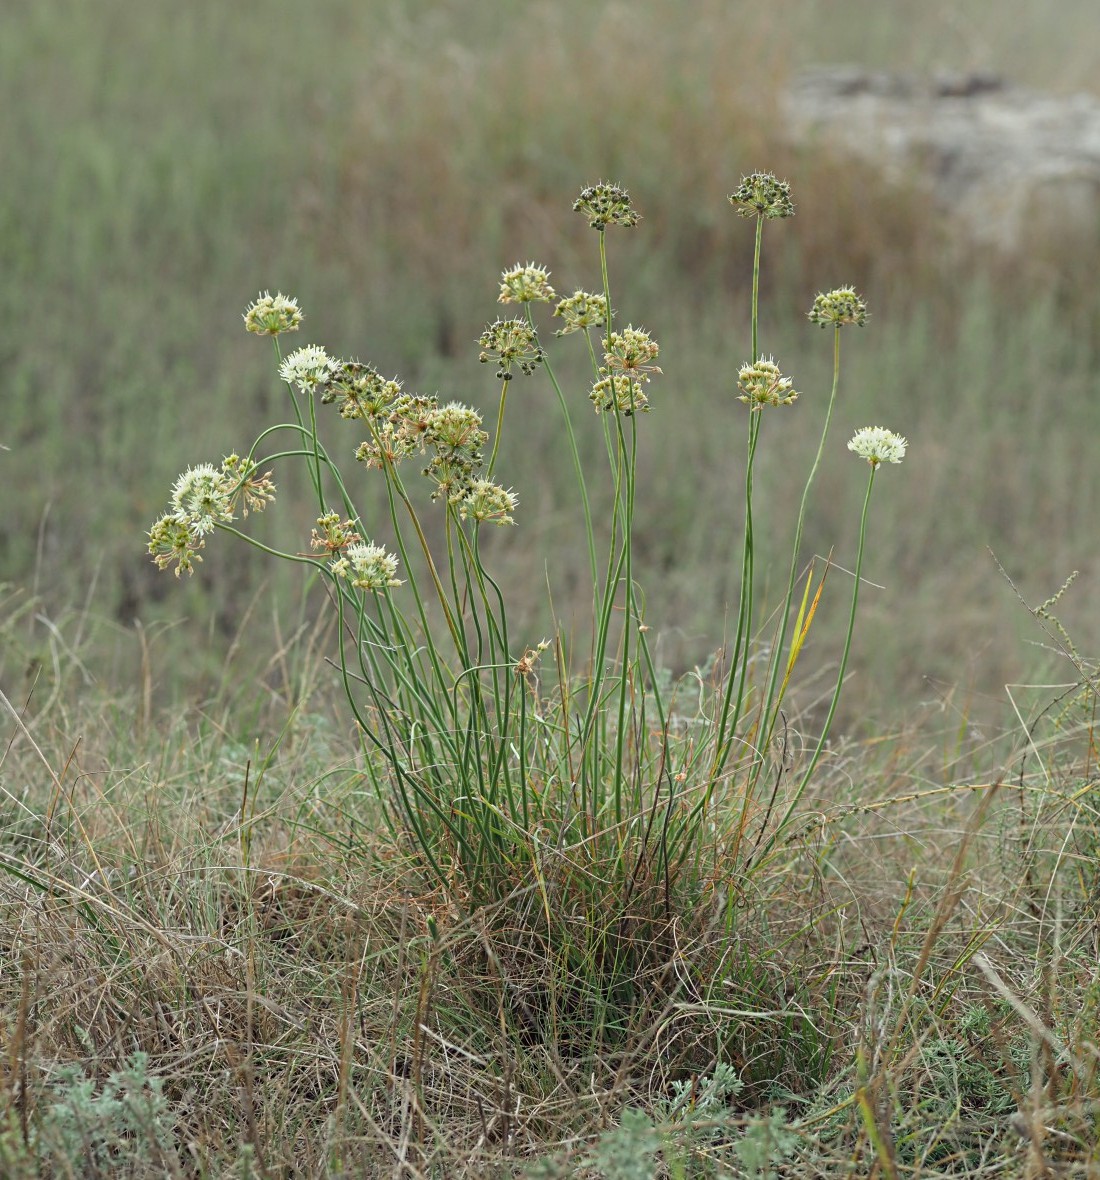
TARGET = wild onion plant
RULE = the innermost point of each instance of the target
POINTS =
(558, 776)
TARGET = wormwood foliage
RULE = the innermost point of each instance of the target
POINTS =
(559, 779)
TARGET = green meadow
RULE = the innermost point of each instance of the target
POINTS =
(756, 835)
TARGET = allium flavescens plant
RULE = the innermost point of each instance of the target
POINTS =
(522, 766)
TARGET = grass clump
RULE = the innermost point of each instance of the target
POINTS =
(557, 793)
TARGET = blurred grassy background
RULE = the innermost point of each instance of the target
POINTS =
(383, 162)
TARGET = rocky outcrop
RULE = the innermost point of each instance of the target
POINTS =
(1011, 166)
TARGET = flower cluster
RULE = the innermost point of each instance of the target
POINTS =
(630, 352)
(333, 534)
(606, 204)
(271, 314)
(510, 342)
(359, 390)
(202, 498)
(839, 307)
(454, 433)
(763, 384)
(369, 567)
(618, 393)
(581, 311)
(306, 368)
(762, 195)
(878, 445)
(487, 502)
(526, 284)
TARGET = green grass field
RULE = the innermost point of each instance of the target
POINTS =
(217, 958)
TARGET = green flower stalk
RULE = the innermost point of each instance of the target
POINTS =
(877, 446)
(840, 308)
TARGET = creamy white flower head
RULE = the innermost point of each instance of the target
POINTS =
(486, 501)
(305, 367)
(270, 314)
(202, 497)
(526, 284)
(369, 566)
(878, 445)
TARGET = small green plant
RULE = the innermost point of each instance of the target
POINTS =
(559, 769)
(123, 1129)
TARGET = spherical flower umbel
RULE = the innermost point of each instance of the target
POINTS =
(839, 307)
(630, 351)
(271, 314)
(878, 445)
(606, 204)
(201, 496)
(510, 342)
(581, 311)
(369, 567)
(763, 384)
(763, 195)
(488, 502)
(526, 284)
(305, 367)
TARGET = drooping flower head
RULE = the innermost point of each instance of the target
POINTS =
(581, 311)
(763, 384)
(268, 315)
(486, 501)
(526, 284)
(174, 539)
(606, 204)
(878, 445)
(763, 195)
(839, 307)
(305, 367)
(369, 567)
(510, 342)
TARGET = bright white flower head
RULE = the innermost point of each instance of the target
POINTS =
(305, 367)
(878, 445)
